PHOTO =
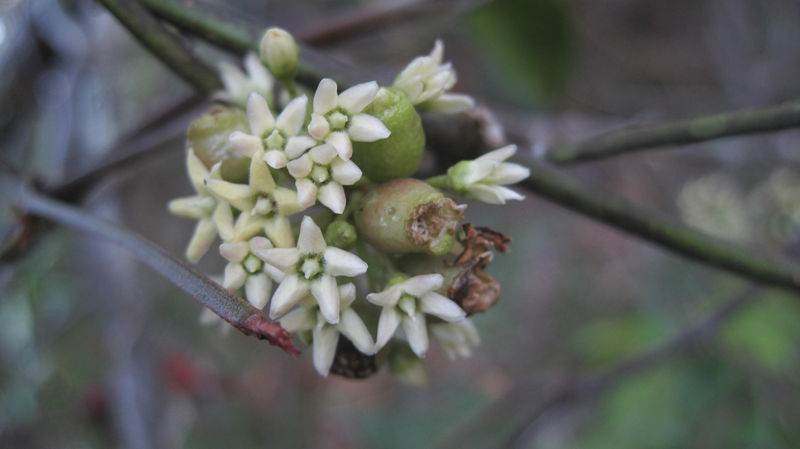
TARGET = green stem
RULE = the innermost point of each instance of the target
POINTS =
(440, 182)
(753, 121)
(146, 29)
(620, 214)
(291, 87)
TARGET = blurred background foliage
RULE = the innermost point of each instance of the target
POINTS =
(96, 351)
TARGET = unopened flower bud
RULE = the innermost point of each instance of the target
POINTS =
(404, 364)
(409, 216)
(399, 155)
(208, 136)
(280, 53)
(341, 234)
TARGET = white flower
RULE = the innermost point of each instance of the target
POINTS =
(406, 304)
(337, 118)
(457, 339)
(264, 205)
(238, 85)
(276, 141)
(426, 80)
(325, 336)
(320, 174)
(311, 266)
(213, 216)
(245, 269)
(483, 178)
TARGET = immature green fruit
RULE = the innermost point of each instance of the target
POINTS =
(409, 216)
(399, 155)
(208, 136)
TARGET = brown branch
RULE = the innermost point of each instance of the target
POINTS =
(233, 309)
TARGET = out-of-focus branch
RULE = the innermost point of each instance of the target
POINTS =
(593, 386)
(150, 33)
(233, 309)
(675, 237)
(752, 121)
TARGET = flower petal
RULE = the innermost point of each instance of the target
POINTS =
(310, 240)
(353, 327)
(300, 167)
(500, 154)
(298, 320)
(318, 127)
(341, 141)
(366, 128)
(332, 196)
(325, 97)
(259, 115)
(345, 172)
(387, 325)
(486, 193)
(239, 195)
(279, 230)
(204, 234)
(419, 285)
(198, 172)
(223, 219)
(322, 154)
(358, 97)
(246, 144)
(386, 298)
(234, 276)
(441, 306)
(347, 294)
(289, 293)
(291, 119)
(196, 207)
(275, 158)
(507, 173)
(234, 251)
(306, 192)
(325, 340)
(417, 334)
(284, 259)
(297, 145)
(449, 104)
(339, 262)
(326, 293)
(257, 290)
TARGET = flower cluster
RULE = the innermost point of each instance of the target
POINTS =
(388, 259)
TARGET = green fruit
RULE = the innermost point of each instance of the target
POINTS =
(208, 136)
(399, 155)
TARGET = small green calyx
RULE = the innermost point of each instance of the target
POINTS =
(398, 155)
(456, 176)
(341, 234)
(208, 136)
(274, 140)
(337, 120)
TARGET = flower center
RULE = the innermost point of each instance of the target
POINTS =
(274, 141)
(337, 119)
(252, 264)
(408, 304)
(311, 266)
(265, 205)
(320, 174)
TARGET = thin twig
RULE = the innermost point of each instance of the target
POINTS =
(590, 387)
(233, 309)
(150, 33)
(630, 139)
(620, 214)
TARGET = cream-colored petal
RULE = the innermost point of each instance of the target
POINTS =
(196, 207)
(345, 172)
(507, 173)
(435, 304)
(318, 127)
(246, 144)
(259, 116)
(291, 290)
(332, 196)
(279, 230)
(487, 194)
(366, 128)
(257, 289)
(198, 172)
(310, 240)
(306, 192)
(275, 159)
(358, 97)
(291, 119)
(325, 340)
(235, 276)
(300, 167)
(347, 294)
(326, 293)
(322, 154)
(204, 234)
(499, 154)
(259, 244)
(297, 145)
(223, 220)
(387, 326)
(417, 334)
(353, 327)
(234, 251)
(339, 262)
(284, 259)
(386, 298)
(260, 176)
(239, 195)
(341, 142)
(424, 283)
(325, 98)
(449, 104)
(299, 320)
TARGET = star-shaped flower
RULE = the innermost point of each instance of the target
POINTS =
(426, 81)
(311, 266)
(320, 174)
(483, 178)
(213, 216)
(406, 303)
(457, 339)
(264, 205)
(337, 119)
(276, 141)
(245, 269)
(239, 85)
(325, 336)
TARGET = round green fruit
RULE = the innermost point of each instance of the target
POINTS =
(208, 136)
(399, 155)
